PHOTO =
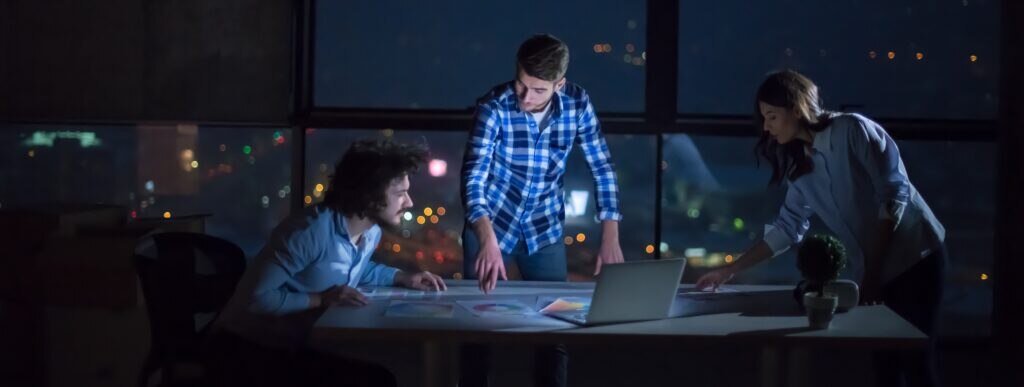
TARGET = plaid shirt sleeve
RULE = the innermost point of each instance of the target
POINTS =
(595, 150)
(477, 163)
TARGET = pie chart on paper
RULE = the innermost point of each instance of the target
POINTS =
(491, 308)
(419, 309)
(501, 308)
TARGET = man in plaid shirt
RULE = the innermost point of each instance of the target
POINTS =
(512, 181)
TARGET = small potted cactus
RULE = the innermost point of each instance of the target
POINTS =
(820, 260)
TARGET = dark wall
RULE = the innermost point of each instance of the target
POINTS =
(1008, 316)
(130, 60)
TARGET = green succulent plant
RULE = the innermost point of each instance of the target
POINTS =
(820, 259)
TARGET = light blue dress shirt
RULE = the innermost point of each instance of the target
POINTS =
(858, 177)
(309, 252)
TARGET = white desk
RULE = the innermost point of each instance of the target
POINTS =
(763, 317)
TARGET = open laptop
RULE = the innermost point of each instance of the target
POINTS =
(631, 291)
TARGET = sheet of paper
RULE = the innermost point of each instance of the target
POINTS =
(370, 292)
(550, 304)
(382, 293)
(429, 309)
(720, 294)
(721, 289)
(496, 308)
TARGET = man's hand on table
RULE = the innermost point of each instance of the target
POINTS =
(610, 253)
(489, 267)
(338, 295)
(423, 280)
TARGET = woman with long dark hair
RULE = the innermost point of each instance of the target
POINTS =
(845, 169)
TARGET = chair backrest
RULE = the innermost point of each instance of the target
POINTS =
(190, 274)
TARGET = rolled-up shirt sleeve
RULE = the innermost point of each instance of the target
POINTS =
(792, 223)
(595, 151)
(478, 159)
(378, 274)
(877, 152)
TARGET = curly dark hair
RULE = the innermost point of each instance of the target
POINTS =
(364, 173)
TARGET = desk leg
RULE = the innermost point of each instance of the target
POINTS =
(796, 372)
(771, 367)
(784, 367)
(440, 365)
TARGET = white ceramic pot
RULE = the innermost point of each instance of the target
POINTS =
(820, 309)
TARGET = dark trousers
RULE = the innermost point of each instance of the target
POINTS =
(916, 296)
(235, 361)
(547, 264)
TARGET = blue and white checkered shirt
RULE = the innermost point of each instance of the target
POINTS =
(513, 170)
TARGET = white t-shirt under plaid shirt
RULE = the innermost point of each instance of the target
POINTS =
(513, 169)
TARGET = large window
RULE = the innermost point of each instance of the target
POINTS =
(958, 181)
(904, 58)
(716, 201)
(240, 177)
(634, 162)
(445, 54)
(430, 235)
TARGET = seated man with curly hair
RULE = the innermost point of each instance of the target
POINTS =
(316, 258)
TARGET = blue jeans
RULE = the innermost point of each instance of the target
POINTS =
(547, 264)
(551, 363)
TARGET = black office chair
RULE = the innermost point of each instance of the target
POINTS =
(185, 278)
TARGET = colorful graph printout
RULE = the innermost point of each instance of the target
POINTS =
(494, 308)
(549, 304)
(428, 309)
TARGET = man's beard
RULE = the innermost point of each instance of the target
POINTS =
(384, 224)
